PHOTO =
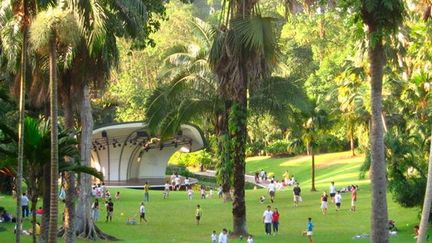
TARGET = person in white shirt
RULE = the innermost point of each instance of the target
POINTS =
(250, 239)
(166, 190)
(267, 219)
(142, 213)
(190, 193)
(332, 191)
(177, 182)
(223, 236)
(24, 205)
(187, 182)
(338, 200)
(214, 237)
(272, 190)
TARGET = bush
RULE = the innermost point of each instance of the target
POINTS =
(278, 147)
(194, 159)
(180, 169)
(254, 149)
(329, 143)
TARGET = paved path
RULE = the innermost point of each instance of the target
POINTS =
(248, 178)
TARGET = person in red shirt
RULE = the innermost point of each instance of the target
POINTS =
(353, 198)
(275, 221)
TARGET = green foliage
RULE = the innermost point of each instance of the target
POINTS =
(195, 159)
(277, 147)
(54, 20)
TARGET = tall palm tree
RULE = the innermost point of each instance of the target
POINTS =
(382, 19)
(51, 28)
(242, 54)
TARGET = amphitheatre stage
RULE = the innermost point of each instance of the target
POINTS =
(128, 155)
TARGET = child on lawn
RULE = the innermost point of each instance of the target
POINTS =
(198, 214)
(142, 213)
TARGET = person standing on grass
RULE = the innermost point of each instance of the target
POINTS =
(198, 214)
(275, 221)
(190, 193)
(203, 192)
(220, 191)
(214, 237)
(297, 194)
(24, 205)
(95, 210)
(324, 205)
(272, 190)
(267, 219)
(353, 198)
(142, 213)
(223, 236)
(110, 210)
(332, 191)
(309, 229)
(166, 190)
(146, 192)
(177, 181)
(338, 200)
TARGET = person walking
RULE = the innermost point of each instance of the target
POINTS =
(324, 201)
(267, 219)
(110, 210)
(332, 191)
(166, 190)
(272, 190)
(214, 237)
(353, 198)
(142, 213)
(146, 192)
(338, 200)
(297, 194)
(309, 229)
(223, 236)
(95, 210)
(198, 214)
(25, 205)
(275, 221)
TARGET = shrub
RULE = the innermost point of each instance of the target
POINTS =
(254, 149)
(278, 147)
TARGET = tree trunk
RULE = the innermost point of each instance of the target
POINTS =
(313, 189)
(34, 199)
(52, 231)
(19, 173)
(69, 182)
(238, 134)
(224, 152)
(378, 164)
(427, 203)
(69, 211)
(46, 202)
(85, 227)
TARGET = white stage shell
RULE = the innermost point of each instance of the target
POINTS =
(125, 151)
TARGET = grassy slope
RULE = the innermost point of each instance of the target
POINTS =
(173, 220)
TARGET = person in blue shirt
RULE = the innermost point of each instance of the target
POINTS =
(309, 229)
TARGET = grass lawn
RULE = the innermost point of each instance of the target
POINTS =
(173, 220)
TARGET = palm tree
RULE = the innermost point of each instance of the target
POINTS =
(242, 54)
(427, 203)
(317, 120)
(37, 154)
(51, 28)
(382, 18)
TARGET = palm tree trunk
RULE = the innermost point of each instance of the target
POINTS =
(224, 152)
(427, 203)
(52, 230)
(378, 164)
(238, 134)
(19, 173)
(313, 169)
(46, 202)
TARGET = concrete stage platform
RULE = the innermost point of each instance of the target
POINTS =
(139, 183)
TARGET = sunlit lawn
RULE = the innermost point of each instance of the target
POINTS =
(173, 220)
